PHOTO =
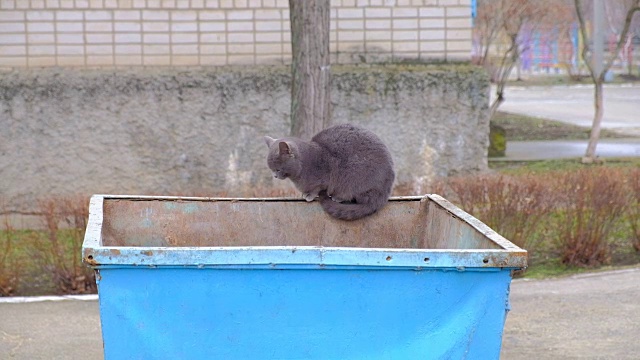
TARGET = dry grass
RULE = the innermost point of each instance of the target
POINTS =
(577, 213)
(576, 217)
(512, 206)
(634, 208)
(589, 204)
(10, 268)
(59, 252)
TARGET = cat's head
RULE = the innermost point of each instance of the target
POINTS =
(282, 158)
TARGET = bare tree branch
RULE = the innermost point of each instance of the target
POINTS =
(598, 79)
(623, 35)
(586, 50)
(583, 32)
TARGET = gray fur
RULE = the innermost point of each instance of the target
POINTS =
(348, 167)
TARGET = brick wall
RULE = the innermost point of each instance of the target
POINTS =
(94, 33)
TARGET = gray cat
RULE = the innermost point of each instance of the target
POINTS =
(348, 167)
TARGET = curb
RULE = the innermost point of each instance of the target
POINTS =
(32, 299)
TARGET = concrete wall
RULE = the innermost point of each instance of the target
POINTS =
(99, 33)
(199, 130)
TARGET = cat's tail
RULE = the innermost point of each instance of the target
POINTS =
(352, 210)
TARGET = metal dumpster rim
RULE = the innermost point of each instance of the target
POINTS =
(96, 255)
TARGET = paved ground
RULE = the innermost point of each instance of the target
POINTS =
(574, 104)
(563, 149)
(68, 329)
(592, 316)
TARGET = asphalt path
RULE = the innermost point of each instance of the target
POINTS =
(39, 330)
(567, 149)
(588, 316)
(574, 104)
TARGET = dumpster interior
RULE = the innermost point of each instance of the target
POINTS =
(412, 223)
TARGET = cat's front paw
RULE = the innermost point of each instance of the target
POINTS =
(338, 199)
(309, 197)
(342, 200)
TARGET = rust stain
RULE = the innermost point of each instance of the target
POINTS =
(89, 260)
(505, 260)
(417, 223)
(400, 224)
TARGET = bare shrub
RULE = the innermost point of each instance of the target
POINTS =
(514, 206)
(251, 192)
(417, 189)
(59, 253)
(403, 189)
(590, 204)
(633, 217)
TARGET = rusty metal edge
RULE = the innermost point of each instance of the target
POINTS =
(231, 199)
(481, 227)
(292, 256)
(94, 254)
(93, 234)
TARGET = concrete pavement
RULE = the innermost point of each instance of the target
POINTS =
(589, 316)
(567, 149)
(42, 330)
(574, 104)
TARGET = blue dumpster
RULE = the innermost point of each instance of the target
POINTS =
(217, 278)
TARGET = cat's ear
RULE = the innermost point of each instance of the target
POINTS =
(269, 140)
(285, 149)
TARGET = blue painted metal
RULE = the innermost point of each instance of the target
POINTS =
(302, 302)
(253, 313)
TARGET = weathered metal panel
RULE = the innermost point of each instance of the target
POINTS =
(279, 279)
(413, 231)
(175, 313)
(182, 222)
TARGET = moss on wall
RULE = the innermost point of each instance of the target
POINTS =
(193, 130)
(497, 141)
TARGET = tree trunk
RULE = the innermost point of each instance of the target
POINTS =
(590, 154)
(493, 108)
(310, 100)
(509, 59)
(598, 70)
(629, 52)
